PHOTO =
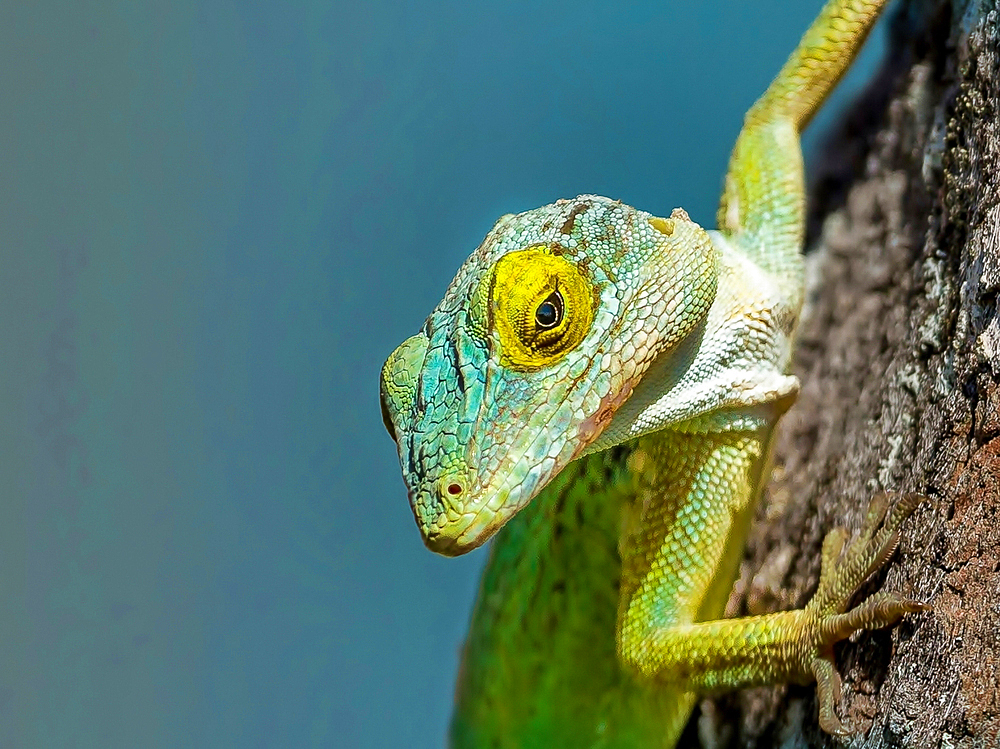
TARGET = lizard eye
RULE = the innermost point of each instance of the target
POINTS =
(543, 306)
(549, 312)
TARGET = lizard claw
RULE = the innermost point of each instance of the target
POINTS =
(842, 573)
(828, 695)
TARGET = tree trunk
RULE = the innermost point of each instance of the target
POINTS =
(899, 358)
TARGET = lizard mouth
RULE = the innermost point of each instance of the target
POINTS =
(456, 539)
(461, 520)
(451, 534)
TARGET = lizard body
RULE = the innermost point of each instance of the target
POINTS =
(599, 388)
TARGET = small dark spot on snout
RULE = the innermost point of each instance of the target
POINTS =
(450, 492)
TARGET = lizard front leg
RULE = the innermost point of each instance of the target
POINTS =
(681, 547)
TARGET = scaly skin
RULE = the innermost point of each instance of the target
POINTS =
(615, 378)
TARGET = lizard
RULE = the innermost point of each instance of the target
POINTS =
(598, 389)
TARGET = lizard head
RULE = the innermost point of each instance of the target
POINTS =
(542, 335)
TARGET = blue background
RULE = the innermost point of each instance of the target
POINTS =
(216, 221)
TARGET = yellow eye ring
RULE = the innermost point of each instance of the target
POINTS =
(542, 307)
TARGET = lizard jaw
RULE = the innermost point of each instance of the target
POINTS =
(451, 525)
(456, 539)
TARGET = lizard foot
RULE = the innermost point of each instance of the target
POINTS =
(842, 573)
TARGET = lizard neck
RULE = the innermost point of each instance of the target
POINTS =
(734, 362)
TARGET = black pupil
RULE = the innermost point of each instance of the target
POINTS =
(550, 311)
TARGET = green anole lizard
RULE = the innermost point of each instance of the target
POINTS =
(599, 388)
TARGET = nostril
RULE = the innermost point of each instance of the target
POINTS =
(450, 491)
(451, 494)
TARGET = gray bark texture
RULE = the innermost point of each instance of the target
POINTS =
(899, 358)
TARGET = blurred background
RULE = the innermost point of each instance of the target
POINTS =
(216, 221)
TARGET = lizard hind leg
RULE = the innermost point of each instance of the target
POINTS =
(843, 573)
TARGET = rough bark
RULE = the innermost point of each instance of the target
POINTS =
(899, 356)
